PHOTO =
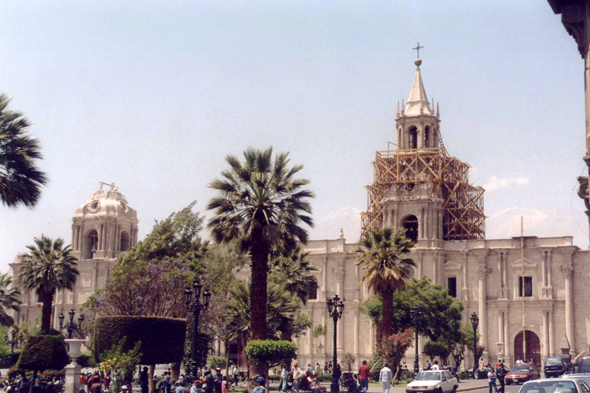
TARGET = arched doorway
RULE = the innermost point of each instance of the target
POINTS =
(410, 224)
(533, 347)
(124, 241)
(90, 244)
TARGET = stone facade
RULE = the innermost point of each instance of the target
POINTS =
(103, 228)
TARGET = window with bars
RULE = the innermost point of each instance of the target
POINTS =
(525, 283)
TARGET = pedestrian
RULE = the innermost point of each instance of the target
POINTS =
(501, 375)
(107, 380)
(330, 367)
(96, 386)
(25, 385)
(492, 380)
(297, 374)
(218, 380)
(385, 378)
(196, 388)
(260, 386)
(318, 369)
(167, 382)
(428, 365)
(309, 369)
(325, 367)
(455, 374)
(435, 367)
(284, 378)
(82, 383)
(224, 385)
(144, 380)
(363, 377)
(179, 388)
(234, 375)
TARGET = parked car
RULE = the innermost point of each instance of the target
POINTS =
(583, 365)
(558, 385)
(522, 373)
(583, 377)
(554, 367)
(439, 381)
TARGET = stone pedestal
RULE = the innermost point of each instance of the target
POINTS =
(72, 384)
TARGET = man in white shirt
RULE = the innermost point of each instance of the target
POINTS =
(435, 367)
(385, 377)
(297, 375)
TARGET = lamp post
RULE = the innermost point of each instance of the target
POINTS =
(13, 341)
(71, 326)
(335, 310)
(194, 305)
(474, 323)
(416, 317)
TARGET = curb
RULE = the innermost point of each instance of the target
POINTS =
(472, 388)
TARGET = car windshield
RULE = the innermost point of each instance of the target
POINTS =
(519, 368)
(549, 387)
(427, 377)
(553, 361)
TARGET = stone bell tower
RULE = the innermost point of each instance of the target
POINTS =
(104, 226)
(418, 186)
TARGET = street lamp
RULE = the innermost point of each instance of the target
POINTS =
(416, 317)
(195, 306)
(335, 310)
(71, 326)
(13, 341)
(474, 323)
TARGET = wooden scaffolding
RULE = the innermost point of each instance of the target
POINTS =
(463, 214)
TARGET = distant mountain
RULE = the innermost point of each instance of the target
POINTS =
(328, 227)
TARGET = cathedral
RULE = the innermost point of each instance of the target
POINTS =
(419, 187)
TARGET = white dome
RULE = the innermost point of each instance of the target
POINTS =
(106, 203)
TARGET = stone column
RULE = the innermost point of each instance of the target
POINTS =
(339, 276)
(482, 272)
(551, 335)
(567, 271)
(72, 383)
(464, 290)
(545, 351)
(507, 343)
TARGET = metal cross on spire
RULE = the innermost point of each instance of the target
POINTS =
(417, 49)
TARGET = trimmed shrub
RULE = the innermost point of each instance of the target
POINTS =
(86, 360)
(44, 353)
(162, 339)
(7, 361)
(270, 352)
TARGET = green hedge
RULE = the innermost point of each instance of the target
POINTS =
(7, 361)
(44, 353)
(162, 339)
(270, 352)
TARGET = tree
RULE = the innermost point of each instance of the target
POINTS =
(394, 348)
(295, 272)
(8, 299)
(383, 256)
(262, 205)
(20, 179)
(434, 349)
(281, 311)
(48, 267)
(463, 344)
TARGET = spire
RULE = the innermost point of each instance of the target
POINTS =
(418, 102)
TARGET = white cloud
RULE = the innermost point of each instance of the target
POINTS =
(496, 183)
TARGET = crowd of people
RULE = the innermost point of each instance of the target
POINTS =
(41, 384)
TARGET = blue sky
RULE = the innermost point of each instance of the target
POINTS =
(152, 95)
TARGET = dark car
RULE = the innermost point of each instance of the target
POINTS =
(584, 365)
(522, 373)
(554, 367)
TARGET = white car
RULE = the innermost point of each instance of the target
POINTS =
(433, 381)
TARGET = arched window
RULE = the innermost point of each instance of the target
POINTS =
(410, 224)
(124, 241)
(90, 244)
(413, 138)
(427, 137)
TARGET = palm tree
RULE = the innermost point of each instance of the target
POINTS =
(48, 267)
(295, 272)
(20, 179)
(261, 205)
(280, 315)
(382, 254)
(8, 299)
